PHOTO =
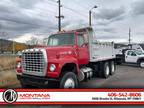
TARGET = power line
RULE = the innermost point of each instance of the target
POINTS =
(53, 1)
(59, 17)
(76, 2)
(20, 22)
(75, 11)
(50, 11)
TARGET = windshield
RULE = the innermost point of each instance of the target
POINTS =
(61, 40)
(139, 52)
(142, 46)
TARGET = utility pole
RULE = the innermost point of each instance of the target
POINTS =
(13, 46)
(129, 36)
(59, 3)
(59, 15)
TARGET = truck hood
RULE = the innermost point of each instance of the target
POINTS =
(57, 52)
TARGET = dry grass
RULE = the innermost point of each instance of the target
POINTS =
(7, 73)
(8, 79)
(7, 63)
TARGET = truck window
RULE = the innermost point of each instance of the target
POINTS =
(61, 40)
(139, 52)
(129, 53)
(133, 54)
(80, 40)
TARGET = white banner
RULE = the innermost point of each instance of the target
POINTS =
(11, 96)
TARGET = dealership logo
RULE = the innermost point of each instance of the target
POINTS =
(10, 96)
(35, 96)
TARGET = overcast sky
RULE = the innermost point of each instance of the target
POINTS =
(22, 19)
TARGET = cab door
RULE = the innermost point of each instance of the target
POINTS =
(131, 57)
(82, 49)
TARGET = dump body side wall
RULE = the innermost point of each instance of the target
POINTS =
(100, 51)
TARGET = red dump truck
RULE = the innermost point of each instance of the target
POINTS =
(69, 58)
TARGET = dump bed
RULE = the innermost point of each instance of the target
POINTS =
(99, 51)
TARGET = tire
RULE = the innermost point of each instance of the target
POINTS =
(106, 70)
(69, 80)
(141, 64)
(112, 67)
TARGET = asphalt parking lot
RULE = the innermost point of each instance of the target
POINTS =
(127, 76)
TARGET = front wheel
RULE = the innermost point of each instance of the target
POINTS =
(141, 64)
(69, 80)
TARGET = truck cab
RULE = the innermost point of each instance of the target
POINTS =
(70, 44)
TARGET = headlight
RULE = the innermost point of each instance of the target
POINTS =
(52, 67)
(19, 65)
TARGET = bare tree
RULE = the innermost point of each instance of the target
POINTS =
(33, 41)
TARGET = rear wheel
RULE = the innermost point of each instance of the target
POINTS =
(106, 70)
(69, 80)
(112, 67)
(141, 64)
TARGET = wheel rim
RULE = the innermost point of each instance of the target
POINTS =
(69, 83)
(107, 70)
(142, 64)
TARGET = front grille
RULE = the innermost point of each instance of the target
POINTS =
(33, 61)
